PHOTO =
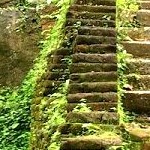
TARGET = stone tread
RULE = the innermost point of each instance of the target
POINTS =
(96, 2)
(87, 87)
(90, 15)
(92, 67)
(97, 106)
(90, 142)
(90, 39)
(93, 97)
(81, 128)
(87, 22)
(144, 4)
(93, 76)
(97, 117)
(91, 8)
(94, 58)
(95, 48)
(97, 31)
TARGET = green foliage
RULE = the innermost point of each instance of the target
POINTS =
(15, 104)
(82, 107)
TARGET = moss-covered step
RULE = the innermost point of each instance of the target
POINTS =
(139, 82)
(74, 129)
(92, 67)
(87, 22)
(137, 101)
(96, 2)
(143, 119)
(143, 17)
(55, 76)
(98, 117)
(94, 58)
(139, 66)
(87, 87)
(91, 8)
(92, 97)
(138, 48)
(144, 4)
(90, 142)
(97, 31)
(90, 15)
(91, 39)
(95, 48)
(97, 106)
(93, 77)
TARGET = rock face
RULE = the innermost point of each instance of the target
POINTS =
(18, 44)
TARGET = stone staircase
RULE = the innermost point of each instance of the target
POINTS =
(138, 99)
(93, 77)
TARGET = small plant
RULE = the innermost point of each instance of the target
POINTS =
(82, 107)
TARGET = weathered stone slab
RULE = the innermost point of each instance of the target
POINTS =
(90, 142)
(90, 8)
(144, 4)
(137, 101)
(138, 48)
(143, 16)
(97, 117)
(93, 97)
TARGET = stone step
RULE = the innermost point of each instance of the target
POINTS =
(93, 97)
(94, 77)
(101, 106)
(82, 128)
(143, 17)
(144, 4)
(139, 66)
(97, 31)
(57, 67)
(55, 76)
(48, 87)
(91, 142)
(139, 82)
(87, 22)
(62, 51)
(94, 58)
(91, 8)
(91, 15)
(138, 48)
(87, 87)
(90, 39)
(97, 117)
(92, 67)
(57, 59)
(144, 119)
(96, 48)
(96, 2)
(137, 101)
(139, 34)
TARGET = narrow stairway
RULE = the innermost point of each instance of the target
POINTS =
(138, 99)
(93, 77)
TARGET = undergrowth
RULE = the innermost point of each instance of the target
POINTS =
(15, 103)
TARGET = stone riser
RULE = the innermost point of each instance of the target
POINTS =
(87, 22)
(93, 77)
(91, 15)
(96, 9)
(93, 97)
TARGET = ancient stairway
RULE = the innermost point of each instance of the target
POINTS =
(138, 99)
(93, 76)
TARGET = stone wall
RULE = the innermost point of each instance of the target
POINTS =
(19, 36)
